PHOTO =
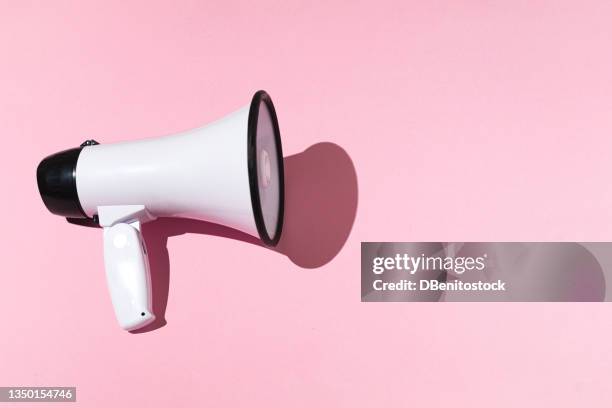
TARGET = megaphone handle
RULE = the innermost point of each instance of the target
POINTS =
(127, 275)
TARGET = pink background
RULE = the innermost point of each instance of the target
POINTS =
(465, 120)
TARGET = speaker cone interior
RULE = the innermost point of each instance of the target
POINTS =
(265, 163)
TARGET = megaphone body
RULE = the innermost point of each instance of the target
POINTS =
(229, 172)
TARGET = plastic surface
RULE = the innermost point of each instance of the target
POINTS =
(128, 277)
(202, 174)
(56, 178)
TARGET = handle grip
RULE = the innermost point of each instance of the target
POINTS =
(128, 276)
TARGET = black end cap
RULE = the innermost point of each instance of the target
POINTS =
(56, 176)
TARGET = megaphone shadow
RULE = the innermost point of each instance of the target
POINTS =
(320, 208)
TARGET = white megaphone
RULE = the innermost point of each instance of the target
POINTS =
(229, 172)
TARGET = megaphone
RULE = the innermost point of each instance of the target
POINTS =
(229, 172)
